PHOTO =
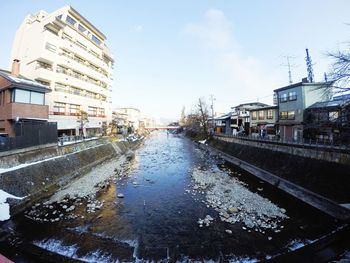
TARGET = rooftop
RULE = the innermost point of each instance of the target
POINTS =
(22, 82)
(338, 101)
(303, 83)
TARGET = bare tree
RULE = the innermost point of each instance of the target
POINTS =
(182, 117)
(203, 113)
(197, 120)
(340, 72)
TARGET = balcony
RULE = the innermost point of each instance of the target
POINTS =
(72, 46)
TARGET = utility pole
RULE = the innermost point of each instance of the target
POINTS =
(212, 110)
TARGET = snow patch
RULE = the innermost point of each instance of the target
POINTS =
(4, 206)
(202, 142)
(297, 243)
(3, 170)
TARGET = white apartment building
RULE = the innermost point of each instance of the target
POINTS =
(65, 52)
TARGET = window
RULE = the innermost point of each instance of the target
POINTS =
(81, 45)
(254, 114)
(78, 75)
(70, 20)
(74, 109)
(79, 59)
(76, 91)
(101, 112)
(59, 108)
(43, 82)
(50, 47)
(37, 98)
(60, 87)
(283, 115)
(291, 115)
(41, 64)
(66, 36)
(283, 97)
(333, 115)
(60, 69)
(261, 114)
(20, 95)
(94, 53)
(81, 28)
(51, 30)
(292, 95)
(275, 99)
(27, 96)
(269, 114)
(92, 111)
(96, 40)
(59, 17)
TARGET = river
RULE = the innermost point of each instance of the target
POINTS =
(158, 216)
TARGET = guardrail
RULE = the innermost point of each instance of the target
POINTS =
(64, 140)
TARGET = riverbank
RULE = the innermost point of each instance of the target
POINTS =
(328, 179)
(33, 181)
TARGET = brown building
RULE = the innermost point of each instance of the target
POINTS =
(21, 101)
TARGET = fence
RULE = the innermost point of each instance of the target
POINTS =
(303, 143)
(30, 134)
(64, 140)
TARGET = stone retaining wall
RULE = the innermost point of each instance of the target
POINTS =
(44, 178)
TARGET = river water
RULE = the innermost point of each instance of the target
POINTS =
(158, 217)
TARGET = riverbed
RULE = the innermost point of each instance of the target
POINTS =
(172, 202)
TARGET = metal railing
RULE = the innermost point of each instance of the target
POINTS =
(303, 142)
(64, 140)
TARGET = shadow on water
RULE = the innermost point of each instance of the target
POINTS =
(157, 218)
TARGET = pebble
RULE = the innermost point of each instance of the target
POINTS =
(120, 195)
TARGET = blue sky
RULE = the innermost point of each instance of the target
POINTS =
(170, 53)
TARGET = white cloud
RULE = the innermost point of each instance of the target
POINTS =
(246, 78)
(138, 28)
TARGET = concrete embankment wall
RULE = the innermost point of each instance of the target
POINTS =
(43, 178)
(329, 179)
(13, 158)
(327, 153)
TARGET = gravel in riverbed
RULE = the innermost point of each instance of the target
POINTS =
(235, 203)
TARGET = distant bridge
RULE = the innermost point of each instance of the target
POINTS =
(162, 128)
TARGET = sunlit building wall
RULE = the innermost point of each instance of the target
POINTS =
(65, 52)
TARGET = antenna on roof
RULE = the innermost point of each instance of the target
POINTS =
(289, 67)
(309, 64)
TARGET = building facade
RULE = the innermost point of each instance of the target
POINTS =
(23, 113)
(65, 52)
(328, 121)
(128, 117)
(263, 121)
(292, 100)
(21, 100)
(240, 116)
